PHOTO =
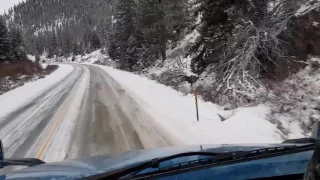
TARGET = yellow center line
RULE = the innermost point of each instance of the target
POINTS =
(55, 128)
(50, 137)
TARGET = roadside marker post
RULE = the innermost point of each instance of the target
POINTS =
(196, 98)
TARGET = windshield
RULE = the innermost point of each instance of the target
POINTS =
(82, 78)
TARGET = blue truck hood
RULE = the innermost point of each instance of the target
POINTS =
(76, 169)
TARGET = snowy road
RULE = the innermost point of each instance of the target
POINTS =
(85, 110)
(86, 114)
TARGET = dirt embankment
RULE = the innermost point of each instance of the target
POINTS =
(13, 75)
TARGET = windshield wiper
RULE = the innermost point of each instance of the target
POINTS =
(20, 162)
(155, 163)
(217, 159)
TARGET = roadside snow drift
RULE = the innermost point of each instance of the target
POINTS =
(21, 96)
(176, 114)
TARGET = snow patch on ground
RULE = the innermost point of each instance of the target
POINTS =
(95, 57)
(43, 58)
(32, 58)
(176, 114)
(92, 58)
(44, 66)
(21, 96)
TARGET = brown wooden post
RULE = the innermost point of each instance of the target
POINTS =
(196, 98)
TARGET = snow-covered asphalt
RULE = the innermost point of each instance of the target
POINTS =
(87, 113)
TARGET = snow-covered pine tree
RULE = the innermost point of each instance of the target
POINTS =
(216, 26)
(123, 34)
(75, 48)
(53, 50)
(5, 49)
(66, 41)
(16, 41)
(95, 41)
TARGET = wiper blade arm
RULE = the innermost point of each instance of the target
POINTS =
(21, 162)
(216, 157)
(155, 163)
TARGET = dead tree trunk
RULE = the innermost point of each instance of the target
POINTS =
(162, 33)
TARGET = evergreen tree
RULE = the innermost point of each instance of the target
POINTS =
(5, 49)
(75, 49)
(86, 39)
(178, 18)
(123, 32)
(217, 26)
(17, 46)
(113, 49)
(150, 23)
(95, 41)
(53, 50)
(66, 46)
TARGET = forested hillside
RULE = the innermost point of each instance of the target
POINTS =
(130, 30)
(144, 30)
(62, 27)
(228, 47)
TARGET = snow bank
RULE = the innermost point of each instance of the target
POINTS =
(177, 114)
(91, 58)
(21, 96)
(95, 57)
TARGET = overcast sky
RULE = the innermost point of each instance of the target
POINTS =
(6, 4)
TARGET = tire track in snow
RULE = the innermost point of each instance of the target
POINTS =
(109, 121)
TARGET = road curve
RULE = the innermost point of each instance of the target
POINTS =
(86, 114)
